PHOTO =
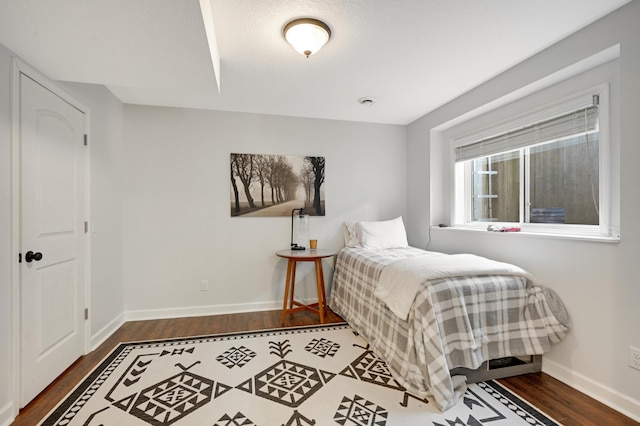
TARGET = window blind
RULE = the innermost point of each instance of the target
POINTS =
(584, 120)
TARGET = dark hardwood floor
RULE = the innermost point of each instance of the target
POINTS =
(558, 400)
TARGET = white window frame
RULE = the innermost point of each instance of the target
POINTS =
(461, 205)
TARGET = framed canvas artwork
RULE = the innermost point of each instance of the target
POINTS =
(274, 185)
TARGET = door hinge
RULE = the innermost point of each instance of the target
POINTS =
(86, 139)
(86, 313)
(86, 227)
(596, 100)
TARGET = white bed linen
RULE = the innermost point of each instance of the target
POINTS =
(401, 279)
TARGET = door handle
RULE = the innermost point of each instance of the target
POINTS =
(31, 256)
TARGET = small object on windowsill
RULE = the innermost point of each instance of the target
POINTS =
(494, 228)
(510, 229)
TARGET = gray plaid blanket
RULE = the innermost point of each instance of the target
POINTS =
(454, 322)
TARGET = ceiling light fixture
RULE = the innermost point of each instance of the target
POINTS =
(307, 35)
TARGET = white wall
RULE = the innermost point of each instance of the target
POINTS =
(597, 281)
(105, 223)
(6, 346)
(177, 225)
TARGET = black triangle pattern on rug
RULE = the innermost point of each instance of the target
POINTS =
(246, 386)
(221, 389)
(125, 403)
(349, 372)
(369, 368)
(358, 410)
(298, 419)
(292, 377)
(288, 383)
(238, 419)
(236, 357)
(326, 376)
(173, 398)
(322, 347)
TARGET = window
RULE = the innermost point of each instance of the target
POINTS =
(545, 171)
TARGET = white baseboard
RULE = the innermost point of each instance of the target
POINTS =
(198, 311)
(106, 331)
(7, 415)
(611, 397)
(153, 314)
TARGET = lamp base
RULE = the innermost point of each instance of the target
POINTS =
(297, 247)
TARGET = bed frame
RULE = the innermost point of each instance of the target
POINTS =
(500, 368)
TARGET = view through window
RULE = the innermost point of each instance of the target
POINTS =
(546, 172)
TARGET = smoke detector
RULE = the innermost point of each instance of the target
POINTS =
(368, 102)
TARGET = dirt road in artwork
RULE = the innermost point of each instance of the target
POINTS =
(283, 209)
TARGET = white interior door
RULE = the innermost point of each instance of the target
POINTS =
(52, 236)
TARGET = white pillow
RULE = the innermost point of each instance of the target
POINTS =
(351, 237)
(383, 234)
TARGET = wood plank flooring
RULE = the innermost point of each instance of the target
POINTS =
(558, 400)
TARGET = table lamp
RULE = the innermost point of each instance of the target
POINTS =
(299, 229)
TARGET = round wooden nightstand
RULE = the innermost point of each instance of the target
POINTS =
(294, 256)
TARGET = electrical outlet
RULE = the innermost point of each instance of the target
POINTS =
(204, 285)
(634, 357)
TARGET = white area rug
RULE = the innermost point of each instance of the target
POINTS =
(321, 375)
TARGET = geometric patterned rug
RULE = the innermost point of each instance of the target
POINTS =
(320, 375)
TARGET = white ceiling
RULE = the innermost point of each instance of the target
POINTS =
(410, 55)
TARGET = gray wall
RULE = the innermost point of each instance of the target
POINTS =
(177, 225)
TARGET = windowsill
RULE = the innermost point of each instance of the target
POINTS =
(529, 233)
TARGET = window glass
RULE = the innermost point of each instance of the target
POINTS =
(496, 188)
(564, 181)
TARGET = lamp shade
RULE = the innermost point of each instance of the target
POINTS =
(307, 35)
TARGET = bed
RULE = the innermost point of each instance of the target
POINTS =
(454, 323)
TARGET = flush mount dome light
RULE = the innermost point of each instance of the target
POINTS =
(307, 35)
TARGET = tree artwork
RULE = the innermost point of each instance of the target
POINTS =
(317, 164)
(244, 170)
(274, 185)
